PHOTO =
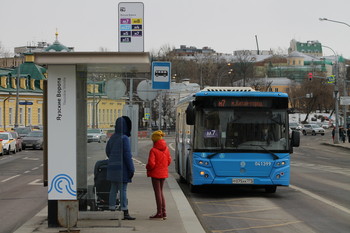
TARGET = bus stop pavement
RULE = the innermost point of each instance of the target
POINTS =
(180, 216)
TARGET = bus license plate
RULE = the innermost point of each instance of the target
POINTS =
(242, 181)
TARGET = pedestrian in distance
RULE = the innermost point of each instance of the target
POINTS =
(342, 135)
(159, 160)
(120, 169)
(348, 133)
(333, 133)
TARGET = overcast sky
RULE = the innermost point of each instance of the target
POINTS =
(223, 25)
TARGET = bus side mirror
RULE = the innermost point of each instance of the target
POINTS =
(190, 114)
(295, 138)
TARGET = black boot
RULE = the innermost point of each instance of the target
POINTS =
(127, 216)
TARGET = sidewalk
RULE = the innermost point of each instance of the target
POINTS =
(345, 145)
(181, 218)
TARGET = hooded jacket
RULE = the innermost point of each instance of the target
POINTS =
(159, 160)
(120, 165)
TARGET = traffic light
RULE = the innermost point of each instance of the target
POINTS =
(310, 76)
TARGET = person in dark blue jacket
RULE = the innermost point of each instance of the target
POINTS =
(120, 168)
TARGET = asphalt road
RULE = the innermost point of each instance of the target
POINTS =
(318, 199)
(22, 194)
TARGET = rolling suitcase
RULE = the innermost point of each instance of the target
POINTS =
(101, 185)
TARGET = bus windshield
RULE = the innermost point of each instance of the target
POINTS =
(241, 129)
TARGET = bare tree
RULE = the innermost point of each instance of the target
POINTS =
(311, 95)
(3, 51)
(243, 66)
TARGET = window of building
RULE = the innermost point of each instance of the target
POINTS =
(276, 89)
(29, 114)
(21, 116)
(103, 116)
(1, 117)
(10, 116)
(39, 116)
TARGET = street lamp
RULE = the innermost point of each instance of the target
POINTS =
(334, 21)
(336, 93)
(344, 85)
(219, 74)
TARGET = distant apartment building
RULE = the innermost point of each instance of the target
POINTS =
(252, 52)
(191, 51)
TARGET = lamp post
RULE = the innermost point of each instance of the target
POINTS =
(334, 21)
(344, 84)
(219, 74)
(336, 93)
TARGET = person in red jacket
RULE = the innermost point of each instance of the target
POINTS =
(157, 168)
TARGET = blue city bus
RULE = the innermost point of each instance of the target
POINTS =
(234, 136)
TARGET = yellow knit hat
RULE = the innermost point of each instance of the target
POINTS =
(157, 135)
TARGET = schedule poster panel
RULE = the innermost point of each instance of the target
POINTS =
(130, 27)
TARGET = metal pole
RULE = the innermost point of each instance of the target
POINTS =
(344, 90)
(344, 106)
(160, 109)
(336, 92)
(17, 95)
(93, 104)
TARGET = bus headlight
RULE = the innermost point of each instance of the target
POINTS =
(201, 162)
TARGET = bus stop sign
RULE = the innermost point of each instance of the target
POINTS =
(161, 73)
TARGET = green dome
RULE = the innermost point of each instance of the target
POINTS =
(57, 46)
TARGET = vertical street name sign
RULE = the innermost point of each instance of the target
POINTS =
(161, 75)
(130, 30)
(62, 145)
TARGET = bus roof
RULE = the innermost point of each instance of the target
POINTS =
(238, 91)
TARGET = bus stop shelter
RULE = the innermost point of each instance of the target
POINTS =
(65, 156)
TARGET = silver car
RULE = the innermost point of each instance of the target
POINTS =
(96, 135)
(312, 129)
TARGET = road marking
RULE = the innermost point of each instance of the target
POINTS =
(10, 178)
(27, 158)
(36, 168)
(240, 212)
(333, 169)
(171, 146)
(26, 172)
(36, 182)
(324, 200)
(257, 227)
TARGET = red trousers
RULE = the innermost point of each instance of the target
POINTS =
(158, 192)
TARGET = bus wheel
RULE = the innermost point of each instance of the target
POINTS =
(182, 180)
(271, 189)
(193, 188)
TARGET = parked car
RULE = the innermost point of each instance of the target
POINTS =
(325, 125)
(8, 143)
(35, 140)
(23, 131)
(312, 129)
(294, 126)
(1, 148)
(18, 141)
(96, 135)
(109, 133)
